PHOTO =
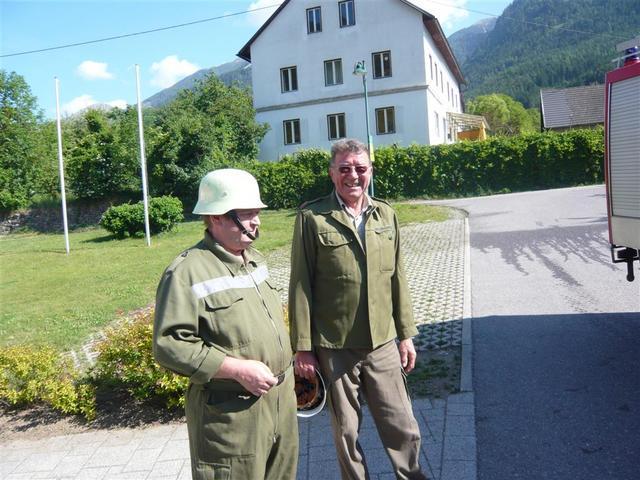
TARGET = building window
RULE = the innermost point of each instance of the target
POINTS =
(291, 131)
(347, 13)
(444, 126)
(385, 120)
(441, 82)
(436, 74)
(314, 20)
(333, 72)
(289, 79)
(431, 66)
(448, 92)
(437, 124)
(336, 126)
(381, 64)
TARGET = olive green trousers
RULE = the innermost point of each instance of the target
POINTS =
(377, 377)
(236, 435)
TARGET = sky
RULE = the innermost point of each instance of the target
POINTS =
(104, 72)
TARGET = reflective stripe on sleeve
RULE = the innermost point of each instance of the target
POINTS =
(220, 284)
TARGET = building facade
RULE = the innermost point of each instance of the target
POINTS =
(303, 60)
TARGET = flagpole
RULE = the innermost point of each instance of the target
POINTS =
(143, 165)
(61, 168)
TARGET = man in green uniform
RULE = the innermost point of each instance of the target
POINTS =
(219, 321)
(348, 302)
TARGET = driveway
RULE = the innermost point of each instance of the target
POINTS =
(556, 339)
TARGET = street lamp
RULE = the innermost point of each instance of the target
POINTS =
(360, 69)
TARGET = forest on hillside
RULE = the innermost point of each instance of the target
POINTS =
(550, 43)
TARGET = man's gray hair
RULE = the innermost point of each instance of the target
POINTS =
(348, 145)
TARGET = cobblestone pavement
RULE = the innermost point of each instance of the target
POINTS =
(436, 270)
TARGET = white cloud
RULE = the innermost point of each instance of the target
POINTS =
(91, 70)
(448, 12)
(170, 69)
(258, 18)
(119, 103)
(84, 101)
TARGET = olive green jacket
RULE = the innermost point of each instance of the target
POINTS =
(340, 296)
(210, 305)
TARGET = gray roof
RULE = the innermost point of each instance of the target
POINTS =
(572, 107)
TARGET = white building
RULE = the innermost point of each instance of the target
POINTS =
(303, 87)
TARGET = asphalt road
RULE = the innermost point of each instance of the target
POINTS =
(556, 339)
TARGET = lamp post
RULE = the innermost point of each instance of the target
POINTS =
(360, 69)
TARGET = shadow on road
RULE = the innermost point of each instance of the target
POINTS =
(587, 243)
(558, 396)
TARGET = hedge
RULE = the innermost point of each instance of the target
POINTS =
(499, 164)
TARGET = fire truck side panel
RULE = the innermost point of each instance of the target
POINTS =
(623, 155)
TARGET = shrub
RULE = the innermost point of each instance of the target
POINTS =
(128, 219)
(39, 374)
(164, 213)
(126, 360)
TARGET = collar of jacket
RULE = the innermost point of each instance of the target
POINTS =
(334, 209)
(332, 204)
(233, 262)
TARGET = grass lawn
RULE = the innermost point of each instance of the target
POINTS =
(49, 297)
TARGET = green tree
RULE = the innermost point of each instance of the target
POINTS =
(505, 115)
(19, 153)
(103, 155)
(202, 129)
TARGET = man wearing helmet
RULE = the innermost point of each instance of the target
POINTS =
(219, 321)
(348, 302)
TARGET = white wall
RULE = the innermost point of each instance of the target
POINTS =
(380, 25)
(410, 116)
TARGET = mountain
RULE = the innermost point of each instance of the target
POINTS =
(464, 42)
(549, 44)
(237, 71)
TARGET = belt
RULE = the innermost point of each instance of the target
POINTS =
(284, 374)
(233, 386)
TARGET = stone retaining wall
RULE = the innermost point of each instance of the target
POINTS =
(49, 219)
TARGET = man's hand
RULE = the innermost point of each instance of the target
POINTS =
(407, 354)
(253, 375)
(305, 365)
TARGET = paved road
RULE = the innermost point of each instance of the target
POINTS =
(556, 339)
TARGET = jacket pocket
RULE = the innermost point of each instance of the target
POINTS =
(336, 258)
(385, 243)
(230, 425)
(230, 325)
(333, 239)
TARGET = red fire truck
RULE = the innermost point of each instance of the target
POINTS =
(622, 155)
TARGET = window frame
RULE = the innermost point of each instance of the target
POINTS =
(332, 62)
(318, 21)
(291, 80)
(337, 117)
(373, 62)
(353, 9)
(386, 120)
(293, 122)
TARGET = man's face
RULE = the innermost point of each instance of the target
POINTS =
(227, 233)
(351, 174)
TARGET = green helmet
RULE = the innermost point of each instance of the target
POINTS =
(227, 189)
(311, 395)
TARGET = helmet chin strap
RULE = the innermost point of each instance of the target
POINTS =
(234, 216)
